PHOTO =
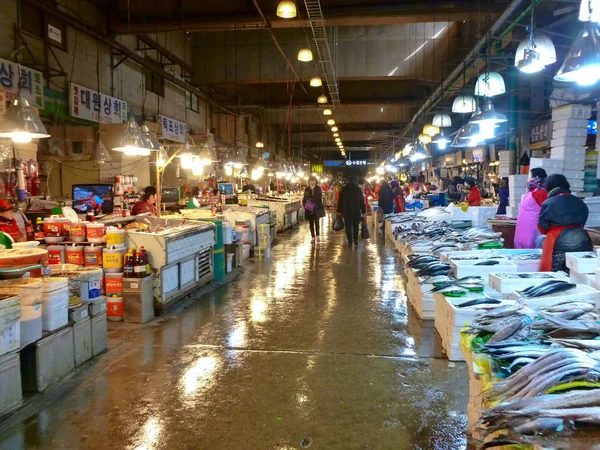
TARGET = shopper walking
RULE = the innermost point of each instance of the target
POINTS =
(351, 206)
(562, 218)
(526, 233)
(386, 198)
(399, 205)
(313, 207)
(503, 195)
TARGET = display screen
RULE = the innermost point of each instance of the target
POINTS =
(477, 155)
(226, 188)
(592, 127)
(96, 197)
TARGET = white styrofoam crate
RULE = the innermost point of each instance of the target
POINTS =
(581, 292)
(569, 123)
(546, 163)
(517, 179)
(570, 149)
(508, 284)
(572, 141)
(589, 279)
(512, 211)
(461, 269)
(571, 112)
(574, 174)
(569, 132)
(593, 220)
(576, 185)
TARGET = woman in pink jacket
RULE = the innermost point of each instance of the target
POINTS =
(529, 210)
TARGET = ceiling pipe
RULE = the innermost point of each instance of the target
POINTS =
(276, 42)
(468, 60)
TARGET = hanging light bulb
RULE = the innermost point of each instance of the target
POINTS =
(327, 111)
(259, 144)
(187, 152)
(589, 11)
(490, 84)
(464, 104)
(197, 166)
(149, 139)
(441, 141)
(322, 99)
(161, 158)
(430, 130)
(286, 9)
(534, 53)
(338, 139)
(316, 82)
(331, 122)
(187, 161)
(336, 134)
(441, 121)
(22, 123)
(305, 55)
(582, 64)
(228, 170)
(424, 138)
(207, 154)
(100, 154)
(334, 128)
(488, 115)
(131, 142)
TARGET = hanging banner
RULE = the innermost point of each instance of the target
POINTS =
(172, 129)
(94, 106)
(32, 83)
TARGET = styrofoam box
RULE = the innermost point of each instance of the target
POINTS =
(10, 330)
(581, 292)
(574, 174)
(583, 278)
(576, 185)
(512, 211)
(571, 112)
(593, 220)
(518, 179)
(515, 208)
(578, 159)
(571, 141)
(546, 163)
(461, 269)
(507, 285)
(570, 132)
(570, 123)
(569, 149)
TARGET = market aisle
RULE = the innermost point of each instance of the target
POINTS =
(311, 349)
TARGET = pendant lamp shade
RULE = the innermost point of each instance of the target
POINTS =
(534, 53)
(132, 143)
(336, 135)
(100, 154)
(441, 141)
(22, 123)
(149, 139)
(286, 9)
(327, 112)
(441, 121)
(259, 144)
(430, 130)
(582, 64)
(316, 82)
(464, 104)
(305, 55)
(331, 122)
(490, 84)
(488, 115)
(322, 99)
(334, 129)
(207, 154)
(338, 139)
(589, 11)
(424, 138)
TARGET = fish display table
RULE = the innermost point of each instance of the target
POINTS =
(288, 210)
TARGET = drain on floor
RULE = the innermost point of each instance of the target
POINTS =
(305, 442)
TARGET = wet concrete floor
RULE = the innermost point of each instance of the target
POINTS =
(314, 349)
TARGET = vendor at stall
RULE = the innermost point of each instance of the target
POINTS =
(8, 224)
(562, 218)
(147, 203)
(473, 196)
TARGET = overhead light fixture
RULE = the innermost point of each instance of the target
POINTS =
(305, 55)
(260, 144)
(336, 134)
(131, 142)
(338, 139)
(464, 104)
(100, 154)
(197, 167)
(149, 139)
(207, 154)
(286, 9)
(424, 138)
(327, 111)
(430, 130)
(534, 53)
(589, 11)
(331, 122)
(407, 150)
(441, 141)
(316, 82)
(582, 64)
(441, 121)
(490, 84)
(22, 123)
(334, 128)
(322, 99)
(488, 115)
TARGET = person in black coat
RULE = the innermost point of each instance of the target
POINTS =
(562, 219)
(352, 207)
(386, 198)
(314, 193)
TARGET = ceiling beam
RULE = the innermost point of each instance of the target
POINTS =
(404, 12)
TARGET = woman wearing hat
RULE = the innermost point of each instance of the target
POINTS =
(8, 224)
(474, 196)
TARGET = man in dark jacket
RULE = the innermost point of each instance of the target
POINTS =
(386, 198)
(562, 219)
(351, 206)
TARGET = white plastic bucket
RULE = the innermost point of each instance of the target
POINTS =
(230, 262)
(245, 251)
(227, 233)
(10, 330)
(55, 309)
(29, 289)
(31, 323)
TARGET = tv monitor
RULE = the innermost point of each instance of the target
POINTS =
(98, 197)
(226, 188)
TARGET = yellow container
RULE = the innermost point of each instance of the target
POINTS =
(112, 259)
(115, 237)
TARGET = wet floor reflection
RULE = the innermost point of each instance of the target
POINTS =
(315, 347)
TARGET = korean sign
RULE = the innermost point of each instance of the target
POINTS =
(172, 129)
(356, 163)
(539, 136)
(92, 105)
(31, 83)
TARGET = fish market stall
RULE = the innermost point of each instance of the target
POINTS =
(288, 209)
(180, 253)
